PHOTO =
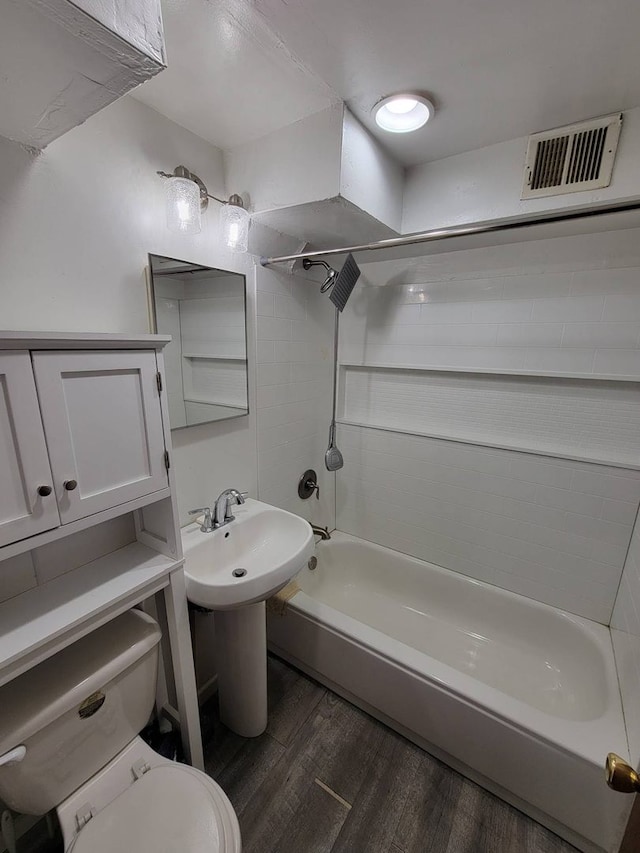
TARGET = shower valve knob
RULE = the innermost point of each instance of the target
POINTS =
(308, 484)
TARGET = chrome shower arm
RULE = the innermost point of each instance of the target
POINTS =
(331, 273)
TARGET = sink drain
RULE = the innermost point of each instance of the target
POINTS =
(239, 573)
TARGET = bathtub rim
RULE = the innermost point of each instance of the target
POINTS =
(590, 740)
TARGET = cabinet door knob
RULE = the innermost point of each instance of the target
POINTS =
(44, 491)
(70, 485)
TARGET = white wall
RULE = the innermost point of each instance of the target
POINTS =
(295, 360)
(486, 184)
(369, 177)
(294, 165)
(76, 224)
(494, 473)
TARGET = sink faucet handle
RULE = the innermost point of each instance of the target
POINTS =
(207, 524)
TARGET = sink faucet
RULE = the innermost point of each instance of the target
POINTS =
(226, 499)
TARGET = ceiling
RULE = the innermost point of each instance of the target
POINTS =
(229, 79)
(496, 70)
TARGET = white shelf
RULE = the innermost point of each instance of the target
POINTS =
(490, 441)
(87, 340)
(44, 620)
(64, 530)
(224, 405)
(214, 357)
(491, 371)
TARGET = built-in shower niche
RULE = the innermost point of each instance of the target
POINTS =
(595, 420)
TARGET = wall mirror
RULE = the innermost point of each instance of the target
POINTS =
(204, 311)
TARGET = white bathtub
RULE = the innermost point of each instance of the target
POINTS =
(517, 695)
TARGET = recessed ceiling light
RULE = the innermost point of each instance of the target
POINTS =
(403, 113)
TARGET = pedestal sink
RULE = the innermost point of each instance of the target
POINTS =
(233, 570)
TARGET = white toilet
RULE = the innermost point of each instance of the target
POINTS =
(69, 740)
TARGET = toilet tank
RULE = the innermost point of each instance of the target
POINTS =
(75, 711)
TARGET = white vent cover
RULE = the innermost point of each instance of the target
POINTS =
(572, 158)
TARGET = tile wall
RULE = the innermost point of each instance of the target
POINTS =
(294, 374)
(551, 529)
(567, 305)
(573, 418)
(420, 332)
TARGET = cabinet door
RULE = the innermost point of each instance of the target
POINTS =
(103, 423)
(24, 464)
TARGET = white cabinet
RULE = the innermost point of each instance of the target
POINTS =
(27, 501)
(81, 432)
(103, 425)
(88, 411)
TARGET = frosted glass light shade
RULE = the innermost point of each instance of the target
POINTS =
(183, 206)
(234, 223)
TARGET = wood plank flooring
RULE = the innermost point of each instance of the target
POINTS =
(327, 777)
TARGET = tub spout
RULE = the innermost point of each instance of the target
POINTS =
(322, 532)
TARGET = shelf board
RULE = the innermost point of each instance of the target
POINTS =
(214, 357)
(491, 371)
(74, 340)
(215, 403)
(490, 441)
(41, 621)
(63, 530)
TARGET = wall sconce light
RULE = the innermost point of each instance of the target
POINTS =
(187, 198)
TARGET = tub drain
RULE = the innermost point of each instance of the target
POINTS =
(239, 573)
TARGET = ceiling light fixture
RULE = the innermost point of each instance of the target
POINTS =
(403, 113)
(187, 198)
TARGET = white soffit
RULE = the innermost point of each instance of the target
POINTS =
(327, 223)
(229, 79)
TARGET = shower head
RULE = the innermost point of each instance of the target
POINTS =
(342, 282)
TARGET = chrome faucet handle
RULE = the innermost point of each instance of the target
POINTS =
(207, 524)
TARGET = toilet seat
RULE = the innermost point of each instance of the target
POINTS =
(171, 808)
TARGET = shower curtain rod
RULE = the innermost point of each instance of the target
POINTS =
(494, 226)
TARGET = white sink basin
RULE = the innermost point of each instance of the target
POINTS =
(269, 544)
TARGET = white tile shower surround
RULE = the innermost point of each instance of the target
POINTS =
(584, 419)
(625, 633)
(294, 364)
(573, 418)
(551, 529)
(568, 305)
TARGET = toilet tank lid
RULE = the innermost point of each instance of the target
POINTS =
(47, 691)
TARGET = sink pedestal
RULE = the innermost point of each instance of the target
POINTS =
(241, 654)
